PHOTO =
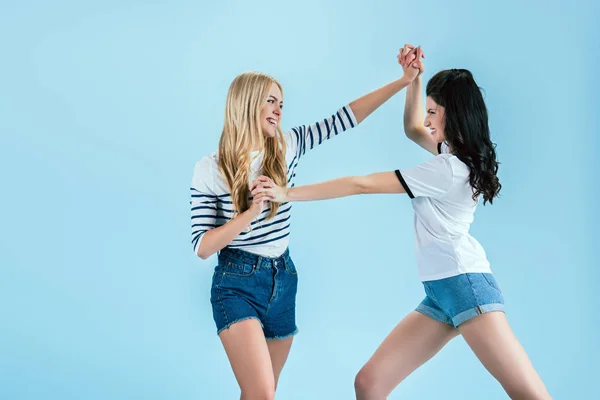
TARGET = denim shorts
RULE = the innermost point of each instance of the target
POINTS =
(459, 298)
(246, 285)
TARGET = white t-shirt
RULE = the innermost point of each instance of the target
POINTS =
(444, 207)
(211, 198)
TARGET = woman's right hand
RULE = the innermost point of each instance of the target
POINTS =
(264, 184)
(409, 58)
(259, 203)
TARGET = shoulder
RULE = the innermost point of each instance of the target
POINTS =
(207, 163)
(205, 171)
(459, 168)
(291, 136)
(442, 162)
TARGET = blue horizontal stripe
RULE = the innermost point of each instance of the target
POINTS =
(216, 201)
(200, 231)
(217, 208)
(298, 140)
(303, 136)
(334, 124)
(266, 225)
(281, 211)
(262, 235)
(341, 121)
(205, 225)
(210, 195)
(263, 242)
(328, 128)
(204, 208)
(294, 167)
(207, 202)
(290, 166)
(209, 217)
(348, 115)
(228, 217)
(195, 240)
(320, 133)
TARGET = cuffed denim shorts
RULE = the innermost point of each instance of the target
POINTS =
(459, 298)
(246, 285)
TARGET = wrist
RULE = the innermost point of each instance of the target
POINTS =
(406, 80)
(251, 213)
(288, 195)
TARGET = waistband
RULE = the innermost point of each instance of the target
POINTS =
(229, 254)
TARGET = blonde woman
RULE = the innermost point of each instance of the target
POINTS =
(253, 292)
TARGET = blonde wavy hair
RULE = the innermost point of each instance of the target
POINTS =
(242, 134)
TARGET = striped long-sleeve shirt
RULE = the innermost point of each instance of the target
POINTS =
(211, 201)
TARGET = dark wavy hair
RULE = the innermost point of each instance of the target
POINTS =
(466, 128)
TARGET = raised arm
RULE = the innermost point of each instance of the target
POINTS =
(307, 137)
(414, 115)
(365, 105)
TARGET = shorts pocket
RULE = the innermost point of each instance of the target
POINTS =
(238, 269)
(429, 292)
(489, 278)
(290, 267)
(214, 287)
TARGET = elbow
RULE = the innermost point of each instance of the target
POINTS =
(202, 253)
(410, 132)
(361, 185)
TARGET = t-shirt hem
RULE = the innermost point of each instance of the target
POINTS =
(450, 274)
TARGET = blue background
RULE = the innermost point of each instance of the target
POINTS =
(106, 106)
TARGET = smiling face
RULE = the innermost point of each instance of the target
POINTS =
(270, 114)
(435, 119)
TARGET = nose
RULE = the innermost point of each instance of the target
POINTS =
(277, 111)
(427, 123)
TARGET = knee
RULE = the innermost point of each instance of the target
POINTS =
(366, 385)
(263, 392)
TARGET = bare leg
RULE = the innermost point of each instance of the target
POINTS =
(413, 341)
(249, 357)
(494, 343)
(279, 350)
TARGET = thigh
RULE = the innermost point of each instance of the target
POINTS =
(249, 357)
(494, 343)
(413, 341)
(279, 350)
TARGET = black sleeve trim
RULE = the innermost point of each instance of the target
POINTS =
(404, 185)
(439, 146)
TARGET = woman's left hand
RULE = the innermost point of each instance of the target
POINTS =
(409, 58)
(266, 184)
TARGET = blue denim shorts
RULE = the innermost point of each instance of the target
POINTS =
(459, 298)
(246, 285)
